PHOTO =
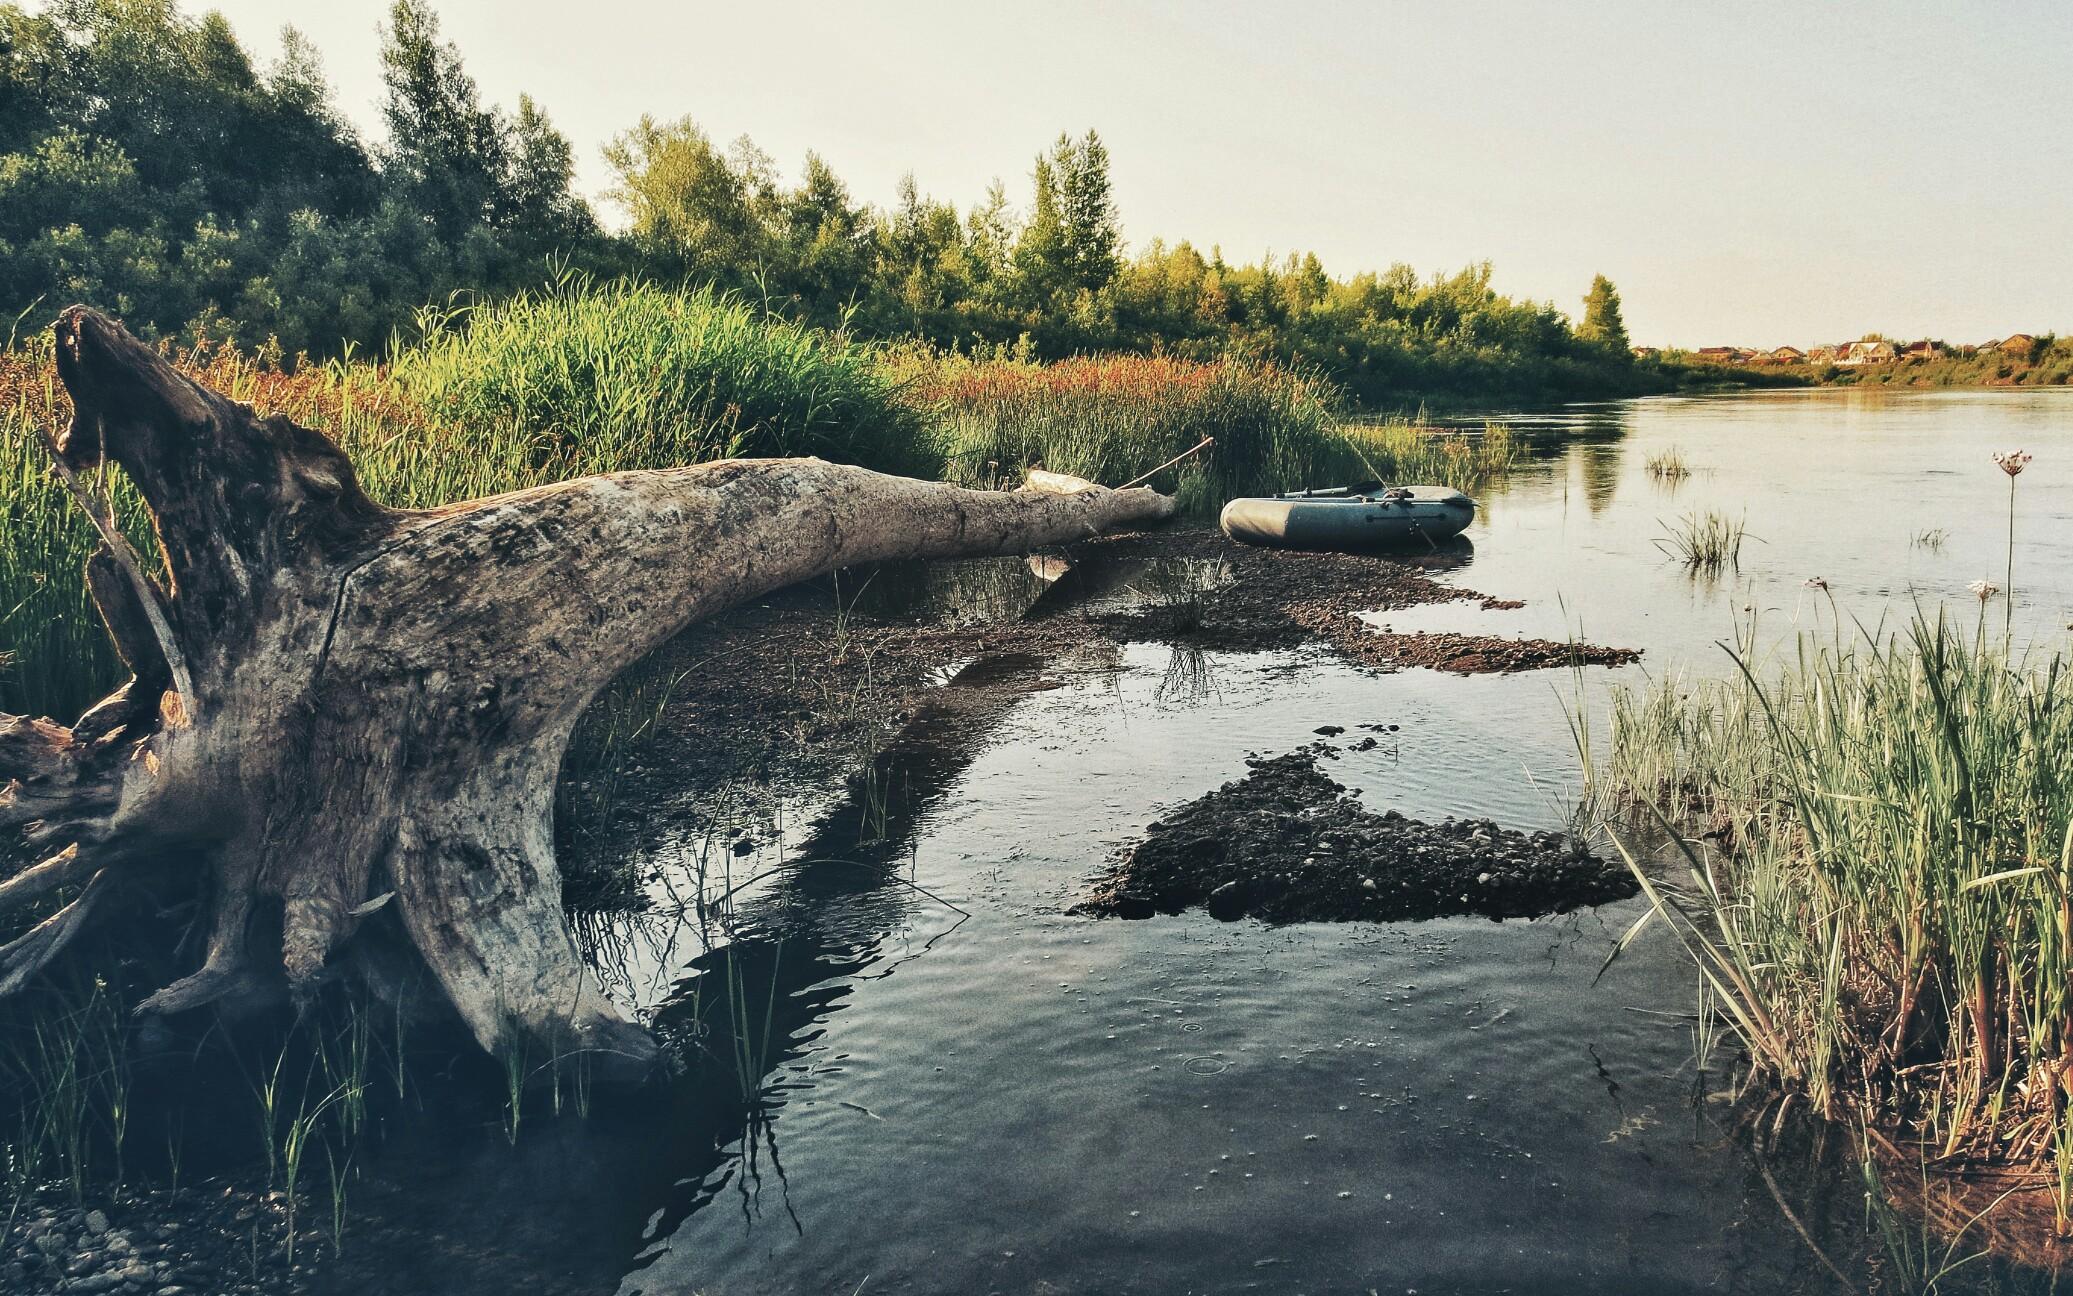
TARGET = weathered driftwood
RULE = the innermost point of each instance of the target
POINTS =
(364, 761)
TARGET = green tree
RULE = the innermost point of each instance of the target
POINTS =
(537, 193)
(925, 265)
(1039, 255)
(825, 246)
(1602, 325)
(1072, 241)
(1093, 235)
(446, 154)
(690, 207)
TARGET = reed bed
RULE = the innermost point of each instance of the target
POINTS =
(1888, 925)
(1111, 418)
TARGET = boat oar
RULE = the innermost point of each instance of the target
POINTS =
(1140, 480)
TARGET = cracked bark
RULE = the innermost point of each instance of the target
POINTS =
(381, 699)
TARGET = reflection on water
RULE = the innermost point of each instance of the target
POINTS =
(1598, 464)
(907, 1069)
(1836, 484)
(1190, 678)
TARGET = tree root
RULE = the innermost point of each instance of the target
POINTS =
(340, 707)
(27, 954)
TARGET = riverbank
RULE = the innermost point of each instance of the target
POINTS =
(1879, 901)
(208, 1239)
(2024, 361)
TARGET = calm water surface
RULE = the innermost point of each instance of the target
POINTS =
(955, 1087)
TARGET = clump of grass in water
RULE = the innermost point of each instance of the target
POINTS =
(66, 1085)
(1667, 465)
(1890, 933)
(1932, 539)
(1180, 590)
(1705, 541)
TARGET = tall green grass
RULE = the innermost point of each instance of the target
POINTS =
(595, 378)
(1890, 925)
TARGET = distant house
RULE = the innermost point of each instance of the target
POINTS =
(1787, 355)
(1646, 353)
(2018, 343)
(1717, 355)
(1869, 351)
(1926, 349)
(1824, 354)
(1989, 346)
(1746, 354)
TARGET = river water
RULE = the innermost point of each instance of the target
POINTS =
(949, 1085)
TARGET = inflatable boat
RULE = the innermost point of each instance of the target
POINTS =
(1366, 516)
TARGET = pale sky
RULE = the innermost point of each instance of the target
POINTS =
(1747, 173)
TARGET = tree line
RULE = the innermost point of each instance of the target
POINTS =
(149, 164)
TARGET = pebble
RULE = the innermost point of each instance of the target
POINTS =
(55, 1247)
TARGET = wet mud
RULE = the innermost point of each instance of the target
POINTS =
(1288, 843)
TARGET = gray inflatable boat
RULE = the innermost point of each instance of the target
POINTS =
(1367, 516)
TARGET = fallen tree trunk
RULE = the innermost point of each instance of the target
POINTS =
(360, 744)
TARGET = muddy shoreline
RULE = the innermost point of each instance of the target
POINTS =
(808, 683)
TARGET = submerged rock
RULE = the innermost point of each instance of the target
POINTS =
(1287, 843)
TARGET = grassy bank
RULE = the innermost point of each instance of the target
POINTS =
(1888, 925)
(1111, 418)
(586, 378)
(2046, 363)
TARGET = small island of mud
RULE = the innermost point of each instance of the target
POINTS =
(1278, 598)
(1287, 843)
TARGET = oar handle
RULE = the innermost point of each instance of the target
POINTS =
(1140, 480)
